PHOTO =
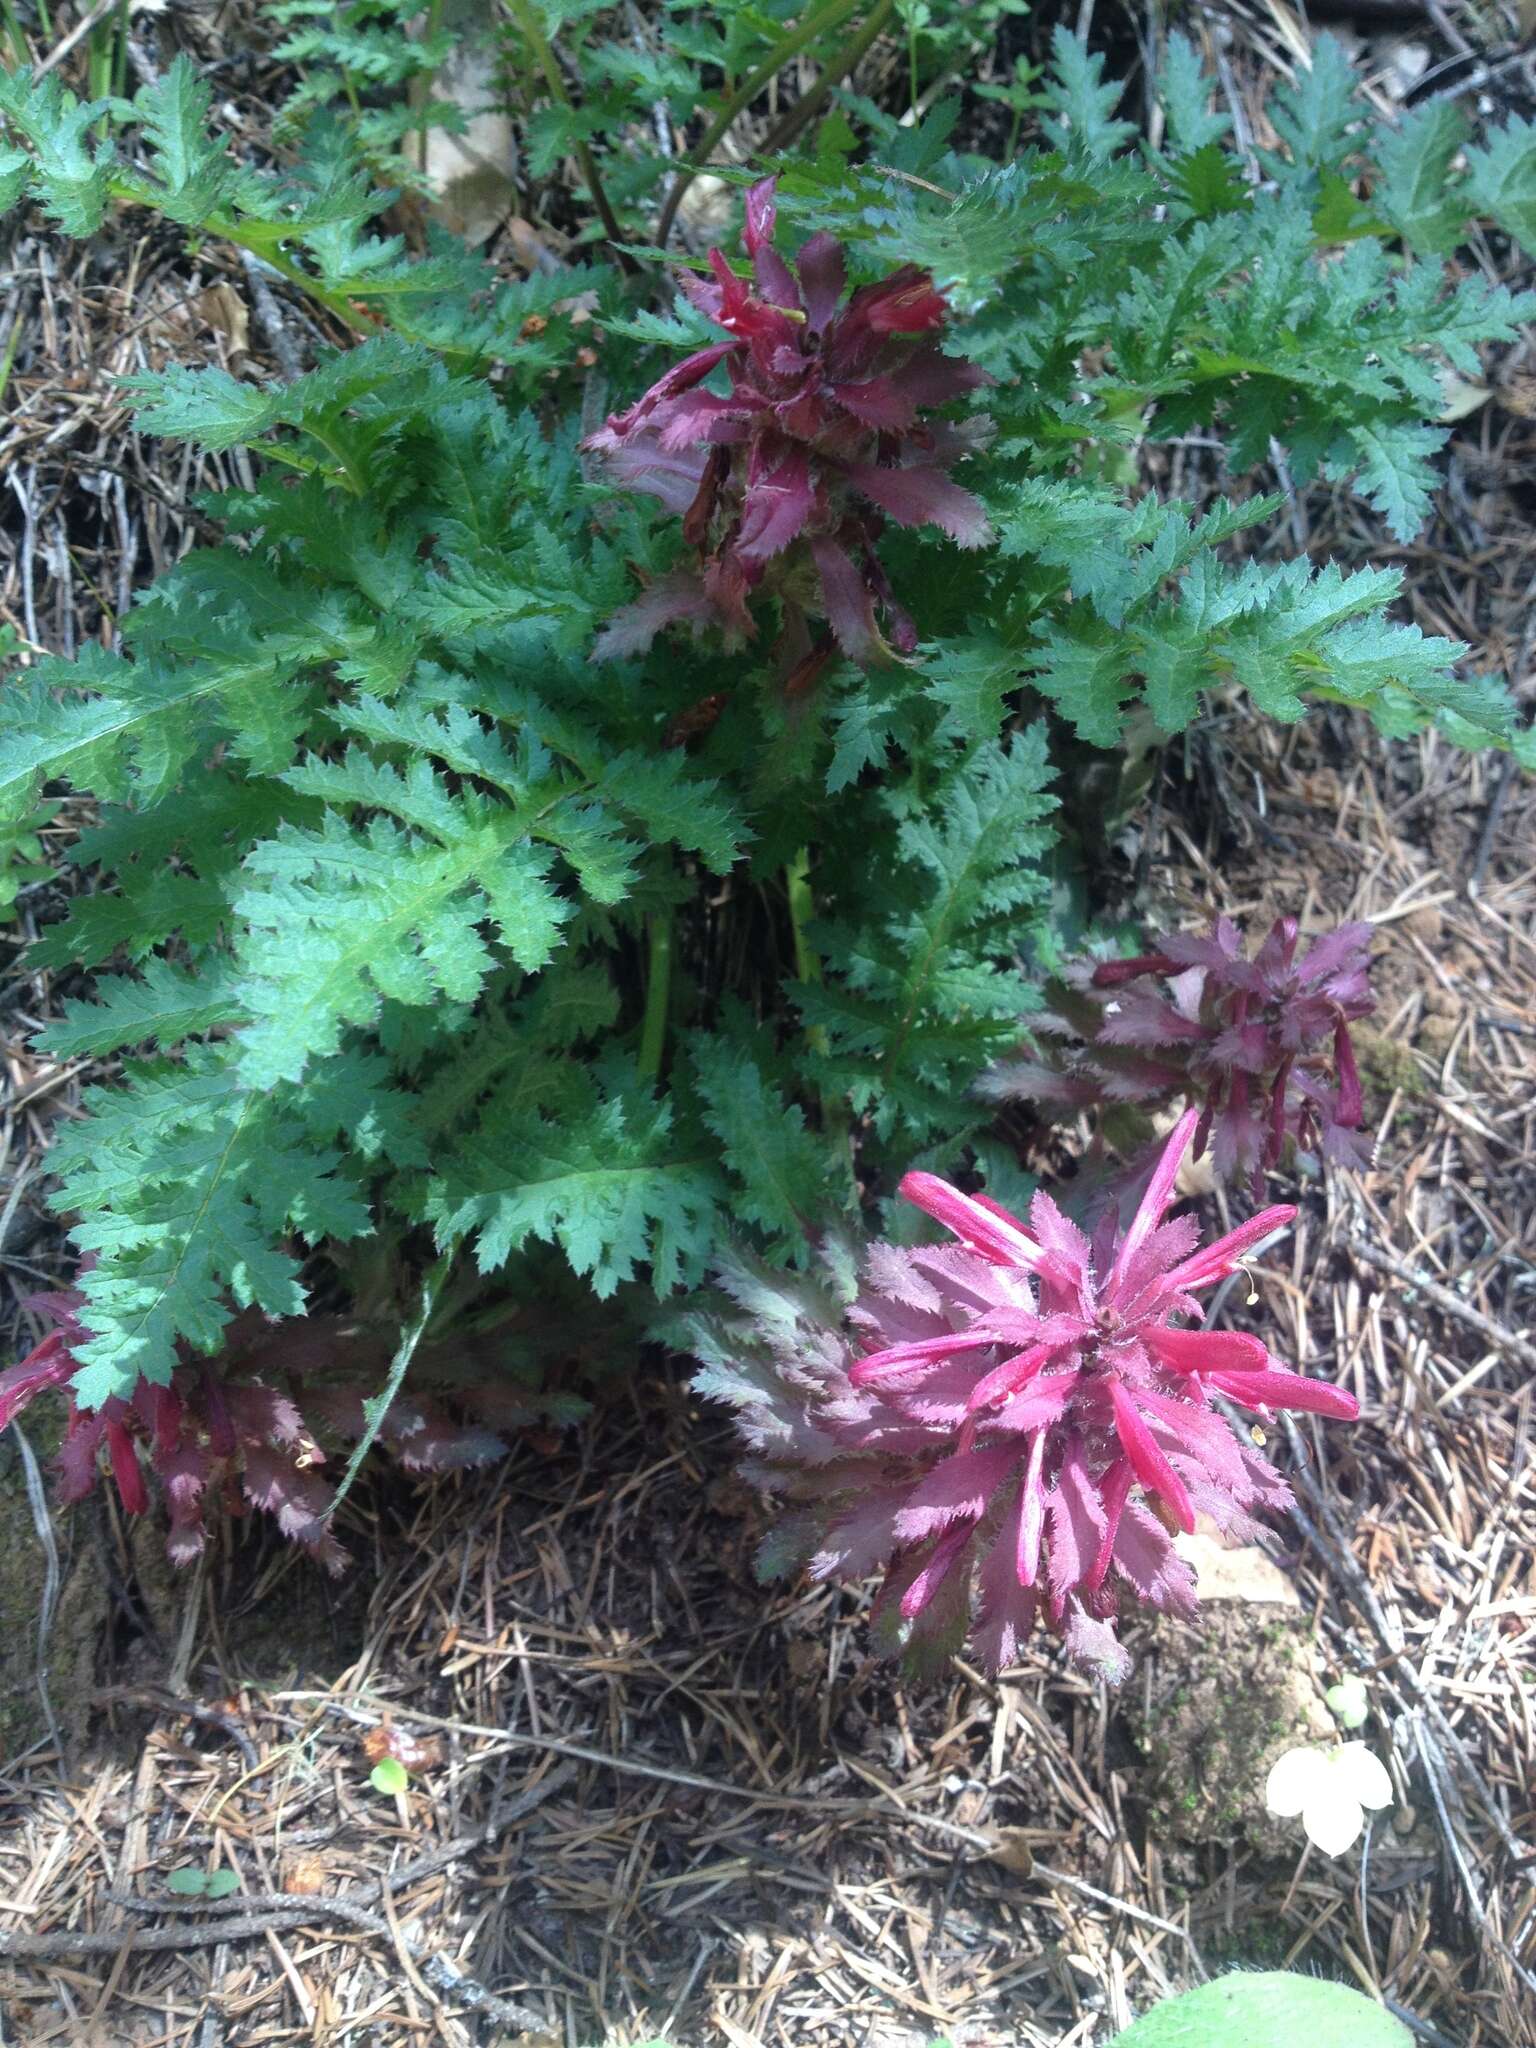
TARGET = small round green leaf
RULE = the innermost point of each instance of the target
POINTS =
(388, 1776)
(221, 1883)
(1349, 1702)
(1267, 2009)
(188, 1883)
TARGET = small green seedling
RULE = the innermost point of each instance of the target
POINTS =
(389, 1776)
(203, 1884)
(1348, 1702)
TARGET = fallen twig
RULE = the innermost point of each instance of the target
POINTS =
(269, 1913)
(1469, 1883)
(1328, 1539)
(270, 319)
(1442, 1297)
(203, 1921)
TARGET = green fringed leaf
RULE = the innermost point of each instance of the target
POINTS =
(785, 1173)
(612, 1182)
(161, 1007)
(189, 1185)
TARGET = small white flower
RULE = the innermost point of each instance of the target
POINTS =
(1330, 1789)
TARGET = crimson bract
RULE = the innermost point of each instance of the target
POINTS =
(1262, 1045)
(785, 480)
(240, 1429)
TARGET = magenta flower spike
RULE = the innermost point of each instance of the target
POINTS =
(1021, 1420)
(784, 482)
(1251, 1041)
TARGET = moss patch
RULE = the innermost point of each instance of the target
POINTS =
(79, 1621)
(1390, 1062)
(1223, 1701)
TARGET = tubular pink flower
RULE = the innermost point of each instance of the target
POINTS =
(1146, 1460)
(1031, 1415)
(1112, 973)
(1275, 1389)
(48, 1364)
(1149, 1211)
(899, 1361)
(1215, 1261)
(126, 1469)
(1031, 1512)
(787, 479)
(985, 1228)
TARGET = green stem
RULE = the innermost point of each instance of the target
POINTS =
(346, 474)
(802, 908)
(835, 1120)
(810, 102)
(262, 239)
(346, 77)
(658, 992)
(829, 16)
(423, 84)
(120, 72)
(19, 45)
(8, 359)
(522, 12)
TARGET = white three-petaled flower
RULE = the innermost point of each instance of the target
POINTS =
(1330, 1789)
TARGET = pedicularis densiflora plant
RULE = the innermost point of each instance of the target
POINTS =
(590, 824)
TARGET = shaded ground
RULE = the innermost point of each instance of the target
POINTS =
(744, 1830)
(647, 1799)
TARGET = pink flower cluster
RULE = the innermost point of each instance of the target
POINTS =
(1262, 1045)
(1018, 1422)
(784, 481)
(222, 1430)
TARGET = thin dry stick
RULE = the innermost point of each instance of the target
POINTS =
(1088, 1891)
(77, 35)
(851, 1808)
(1328, 1539)
(270, 319)
(1442, 1297)
(186, 1637)
(272, 1913)
(255, 1914)
(1469, 1885)
(397, 1880)
(578, 1751)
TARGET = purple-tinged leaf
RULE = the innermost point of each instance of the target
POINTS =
(778, 503)
(632, 629)
(923, 497)
(823, 278)
(849, 606)
(878, 402)
(761, 215)
(956, 1490)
